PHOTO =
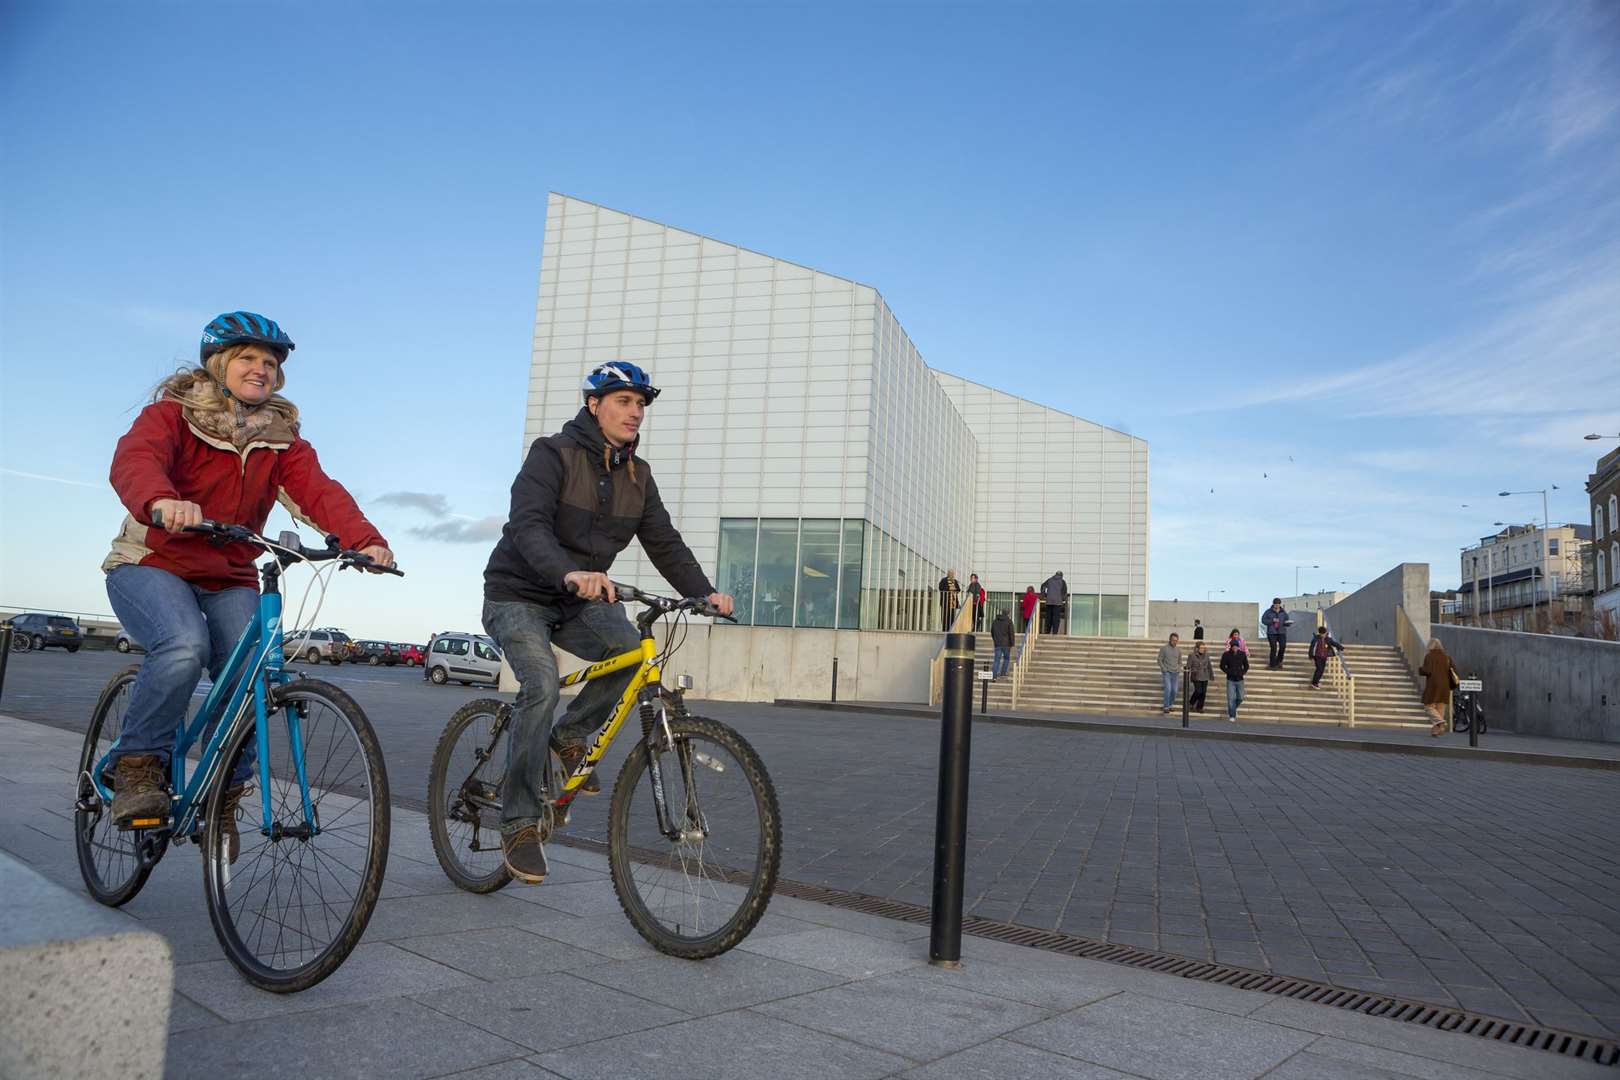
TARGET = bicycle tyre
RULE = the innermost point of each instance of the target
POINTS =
(446, 817)
(117, 875)
(366, 841)
(648, 848)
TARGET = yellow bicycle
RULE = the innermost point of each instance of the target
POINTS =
(695, 869)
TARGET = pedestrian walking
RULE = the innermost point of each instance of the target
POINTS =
(1199, 674)
(1439, 680)
(1001, 636)
(1322, 647)
(1055, 592)
(950, 598)
(1026, 608)
(1198, 630)
(976, 597)
(1170, 670)
(1276, 622)
(1235, 665)
(1237, 636)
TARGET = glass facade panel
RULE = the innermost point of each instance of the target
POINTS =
(1083, 615)
(849, 576)
(1116, 616)
(777, 573)
(737, 540)
(818, 573)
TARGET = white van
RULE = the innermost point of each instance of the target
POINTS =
(466, 658)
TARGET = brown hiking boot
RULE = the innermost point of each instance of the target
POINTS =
(139, 791)
(523, 856)
(571, 756)
(230, 839)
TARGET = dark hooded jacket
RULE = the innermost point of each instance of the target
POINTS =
(576, 504)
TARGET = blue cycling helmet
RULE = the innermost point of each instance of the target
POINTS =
(242, 327)
(618, 375)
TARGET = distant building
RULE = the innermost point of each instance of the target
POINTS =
(1603, 492)
(1525, 577)
(1316, 601)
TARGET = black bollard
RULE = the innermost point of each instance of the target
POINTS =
(835, 679)
(1473, 721)
(1185, 673)
(5, 654)
(950, 822)
(984, 696)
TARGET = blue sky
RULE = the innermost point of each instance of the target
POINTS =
(1381, 240)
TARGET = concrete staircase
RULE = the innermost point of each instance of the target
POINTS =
(1120, 677)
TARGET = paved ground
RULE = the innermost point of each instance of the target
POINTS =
(1494, 886)
(551, 981)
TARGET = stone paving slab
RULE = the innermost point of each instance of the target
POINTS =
(582, 996)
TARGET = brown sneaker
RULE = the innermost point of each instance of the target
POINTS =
(230, 839)
(571, 756)
(523, 856)
(140, 795)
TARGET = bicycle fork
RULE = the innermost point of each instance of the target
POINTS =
(659, 740)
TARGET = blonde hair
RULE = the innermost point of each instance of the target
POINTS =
(1434, 643)
(201, 388)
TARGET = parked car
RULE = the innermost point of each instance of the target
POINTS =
(313, 646)
(374, 653)
(48, 631)
(125, 643)
(409, 655)
(466, 658)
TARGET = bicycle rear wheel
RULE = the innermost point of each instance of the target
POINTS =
(464, 790)
(109, 858)
(697, 895)
(296, 901)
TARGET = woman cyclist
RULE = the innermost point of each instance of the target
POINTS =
(219, 443)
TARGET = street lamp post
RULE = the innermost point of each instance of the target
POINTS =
(1297, 569)
(1541, 559)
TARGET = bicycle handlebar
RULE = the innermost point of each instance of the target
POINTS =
(241, 534)
(698, 605)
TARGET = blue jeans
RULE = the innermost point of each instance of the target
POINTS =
(1234, 697)
(525, 633)
(185, 629)
(1171, 680)
(1003, 658)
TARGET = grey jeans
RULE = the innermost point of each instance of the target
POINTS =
(525, 633)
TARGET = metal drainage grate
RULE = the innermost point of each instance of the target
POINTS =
(1566, 1043)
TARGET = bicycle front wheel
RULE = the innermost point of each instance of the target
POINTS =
(294, 903)
(109, 859)
(698, 892)
(464, 791)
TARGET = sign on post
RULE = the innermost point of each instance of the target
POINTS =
(1476, 686)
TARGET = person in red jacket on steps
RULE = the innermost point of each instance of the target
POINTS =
(218, 443)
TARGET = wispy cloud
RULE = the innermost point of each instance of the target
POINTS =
(428, 502)
(452, 528)
(479, 530)
(51, 479)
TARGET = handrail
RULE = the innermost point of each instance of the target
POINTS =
(1341, 679)
(1411, 645)
(1026, 652)
(962, 624)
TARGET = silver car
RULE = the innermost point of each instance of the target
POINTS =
(466, 658)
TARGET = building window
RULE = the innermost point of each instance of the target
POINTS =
(1552, 545)
(818, 574)
(777, 572)
(1614, 563)
(1600, 571)
(1116, 616)
(1084, 615)
(849, 576)
(1597, 520)
(1614, 515)
(787, 572)
(738, 542)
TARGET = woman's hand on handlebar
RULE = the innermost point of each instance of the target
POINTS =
(175, 514)
(722, 602)
(380, 555)
(590, 586)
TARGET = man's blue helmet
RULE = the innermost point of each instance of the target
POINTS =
(242, 327)
(618, 375)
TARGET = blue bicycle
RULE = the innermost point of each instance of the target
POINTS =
(297, 895)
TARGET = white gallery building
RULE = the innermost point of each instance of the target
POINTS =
(819, 469)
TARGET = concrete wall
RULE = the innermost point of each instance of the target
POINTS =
(1367, 616)
(84, 990)
(1167, 616)
(763, 663)
(1541, 684)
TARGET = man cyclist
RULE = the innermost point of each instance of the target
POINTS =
(579, 499)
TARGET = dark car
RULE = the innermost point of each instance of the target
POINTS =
(48, 631)
(374, 653)
(410, 655)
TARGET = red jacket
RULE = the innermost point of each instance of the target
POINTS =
(165, 456)
(1027, 603)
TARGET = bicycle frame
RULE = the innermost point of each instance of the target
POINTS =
(255, 664)
(648, 674)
